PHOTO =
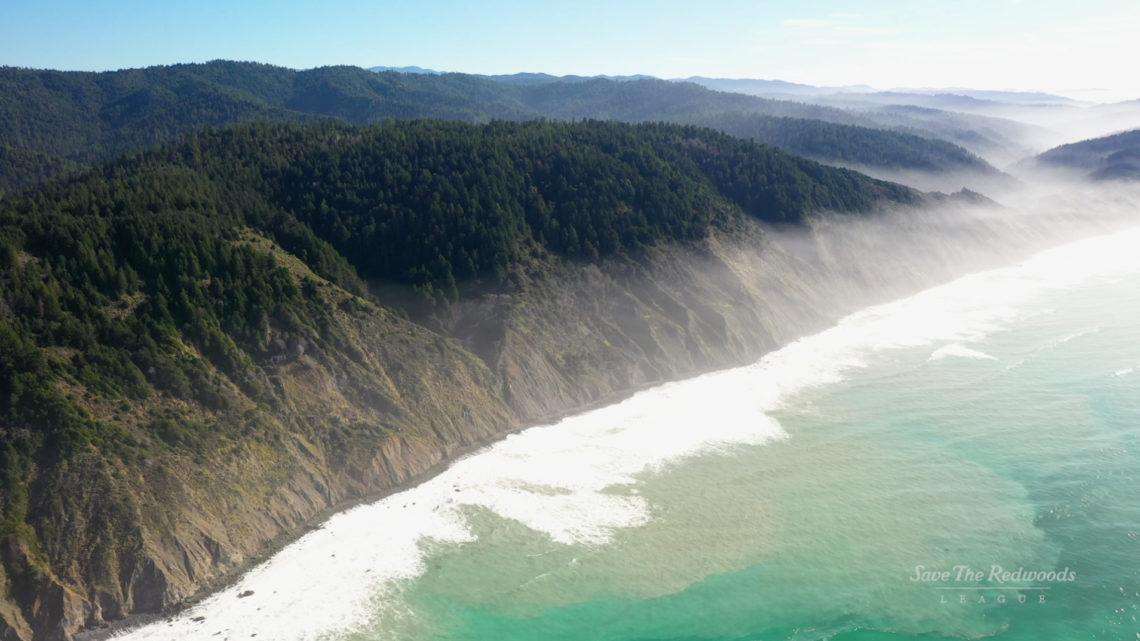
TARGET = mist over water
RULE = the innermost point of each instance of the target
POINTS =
(993, 420)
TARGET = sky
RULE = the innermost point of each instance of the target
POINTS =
(1070, 47)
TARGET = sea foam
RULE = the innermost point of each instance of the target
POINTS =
(959, 350)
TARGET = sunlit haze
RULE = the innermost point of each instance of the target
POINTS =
(1076, 49)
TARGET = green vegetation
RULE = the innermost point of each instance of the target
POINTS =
(226, 300)
(476, 198)
(1108, 158)
(830, 142)
(110, 278)
(108, 303)
(52, 122)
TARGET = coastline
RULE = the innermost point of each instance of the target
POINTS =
(274, 546)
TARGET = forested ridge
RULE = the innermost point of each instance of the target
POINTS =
(830, 142)
(148, 306)
(1112, 157)
(346, 199)
(54, 122)
(110, 276)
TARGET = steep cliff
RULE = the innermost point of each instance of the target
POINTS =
(192, 373)
(189, 494)
(139, 536)
(580, 332)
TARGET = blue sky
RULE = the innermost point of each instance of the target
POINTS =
(994, 44)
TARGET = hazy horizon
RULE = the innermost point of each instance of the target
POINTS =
(1046, 46)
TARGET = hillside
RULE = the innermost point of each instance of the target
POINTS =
(52, 122)
(1108, 158)
(205, 346)
(1000, 140)
(830, 142)
(475, 197)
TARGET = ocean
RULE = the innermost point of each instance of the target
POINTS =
(960, 464)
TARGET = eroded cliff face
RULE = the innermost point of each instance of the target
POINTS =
(190, 494)
(390, 401)
(583, 332)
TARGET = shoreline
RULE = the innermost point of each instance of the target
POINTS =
(276, 545)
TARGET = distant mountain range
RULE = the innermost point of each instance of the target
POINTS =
(1012, 97)
(986, 122)
(771, 88)
(55, 122)
(979, 120)
(412, 69)
(765, 87)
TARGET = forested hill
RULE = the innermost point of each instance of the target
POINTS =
(191, 363)
(830, 142)
(1110, 157)
(475, 198)
(52, 121)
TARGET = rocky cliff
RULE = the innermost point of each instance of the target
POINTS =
(392, 401)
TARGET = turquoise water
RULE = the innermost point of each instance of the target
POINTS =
(1019, 447)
